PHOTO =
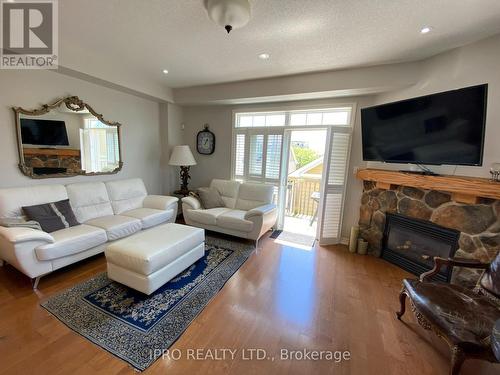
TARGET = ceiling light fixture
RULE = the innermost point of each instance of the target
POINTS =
(425, 30)
(165, 71)
(264, 56)
(230, 14)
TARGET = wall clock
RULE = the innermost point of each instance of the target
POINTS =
(205, 141)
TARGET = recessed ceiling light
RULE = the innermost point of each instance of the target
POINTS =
(165, 71)
(264, 56)
(425, 30)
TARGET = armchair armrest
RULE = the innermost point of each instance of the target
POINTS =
(260, 211)
(192, 202)
(19, 234)
(456, 262)
(159, 202)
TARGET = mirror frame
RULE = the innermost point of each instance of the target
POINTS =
(75, 104)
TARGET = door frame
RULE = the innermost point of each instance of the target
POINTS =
(286, 132)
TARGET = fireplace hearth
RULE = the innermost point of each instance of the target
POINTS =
(413, 243)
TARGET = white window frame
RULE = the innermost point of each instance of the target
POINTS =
(286, 131)
(275, 129)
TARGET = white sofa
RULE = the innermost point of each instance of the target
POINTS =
(248, 211)
(106, 212)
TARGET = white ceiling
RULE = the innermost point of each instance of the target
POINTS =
(140, 38)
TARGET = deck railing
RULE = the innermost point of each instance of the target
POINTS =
(299, 201)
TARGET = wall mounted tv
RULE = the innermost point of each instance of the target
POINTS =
(44, 132)
(444, 128)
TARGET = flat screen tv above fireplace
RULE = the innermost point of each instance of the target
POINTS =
(443, 128)
(44, 133)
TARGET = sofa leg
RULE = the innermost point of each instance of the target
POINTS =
(457, 359)
(35, 281)
(402, 301)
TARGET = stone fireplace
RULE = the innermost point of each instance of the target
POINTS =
(477, 223)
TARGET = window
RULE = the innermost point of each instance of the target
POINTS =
(254, 120)
(239, 167)
(331, 116)
(99, 146)
(258, 138)
(273, 156)
(336, 116)
(256, 152)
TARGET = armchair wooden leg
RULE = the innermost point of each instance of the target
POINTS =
(457, 359)
(402, 301)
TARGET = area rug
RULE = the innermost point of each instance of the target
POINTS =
(136, 327)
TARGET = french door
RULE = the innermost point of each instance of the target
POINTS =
(335, 170)
(261, 151)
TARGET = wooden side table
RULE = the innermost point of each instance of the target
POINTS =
(180, 194)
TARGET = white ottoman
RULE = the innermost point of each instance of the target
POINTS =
(147, 260)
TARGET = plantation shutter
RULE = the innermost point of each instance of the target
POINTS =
(256, 155)
(332, 197)
(273, 156)
(239, 158)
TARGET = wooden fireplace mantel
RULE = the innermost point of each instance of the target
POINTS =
(68, 152)
(463, 189)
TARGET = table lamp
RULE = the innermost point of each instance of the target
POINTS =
(182, 157)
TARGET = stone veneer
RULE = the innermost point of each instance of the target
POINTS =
(479, 224)
(71, 163)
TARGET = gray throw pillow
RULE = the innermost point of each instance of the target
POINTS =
(52, 216)
(210, 197)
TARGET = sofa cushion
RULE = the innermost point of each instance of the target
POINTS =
(235, 220)
(52, 216)
(116, 226)
(254, 195)
(126, 195)
(89, 200)
(13, 199)
(149, 217)
(70, 241)
(208, 217)
(228, 190)
(210, 197)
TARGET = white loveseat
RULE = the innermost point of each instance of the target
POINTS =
(248, 211)
(106, 212)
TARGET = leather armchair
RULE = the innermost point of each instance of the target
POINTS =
(463, 318)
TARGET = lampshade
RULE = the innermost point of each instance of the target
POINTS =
(182, 155)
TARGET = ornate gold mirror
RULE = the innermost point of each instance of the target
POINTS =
(67, 138)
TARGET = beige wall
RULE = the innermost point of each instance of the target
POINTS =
(140, 119)
(175, 138)
(474, 64)
(218, 165)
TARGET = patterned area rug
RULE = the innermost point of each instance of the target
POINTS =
(136, 327)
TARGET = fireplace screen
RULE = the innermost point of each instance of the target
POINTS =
(412, 244)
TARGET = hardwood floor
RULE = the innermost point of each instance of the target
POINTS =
(282, 298)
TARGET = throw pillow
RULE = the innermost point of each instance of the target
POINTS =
(52, 216)
(210, 197)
